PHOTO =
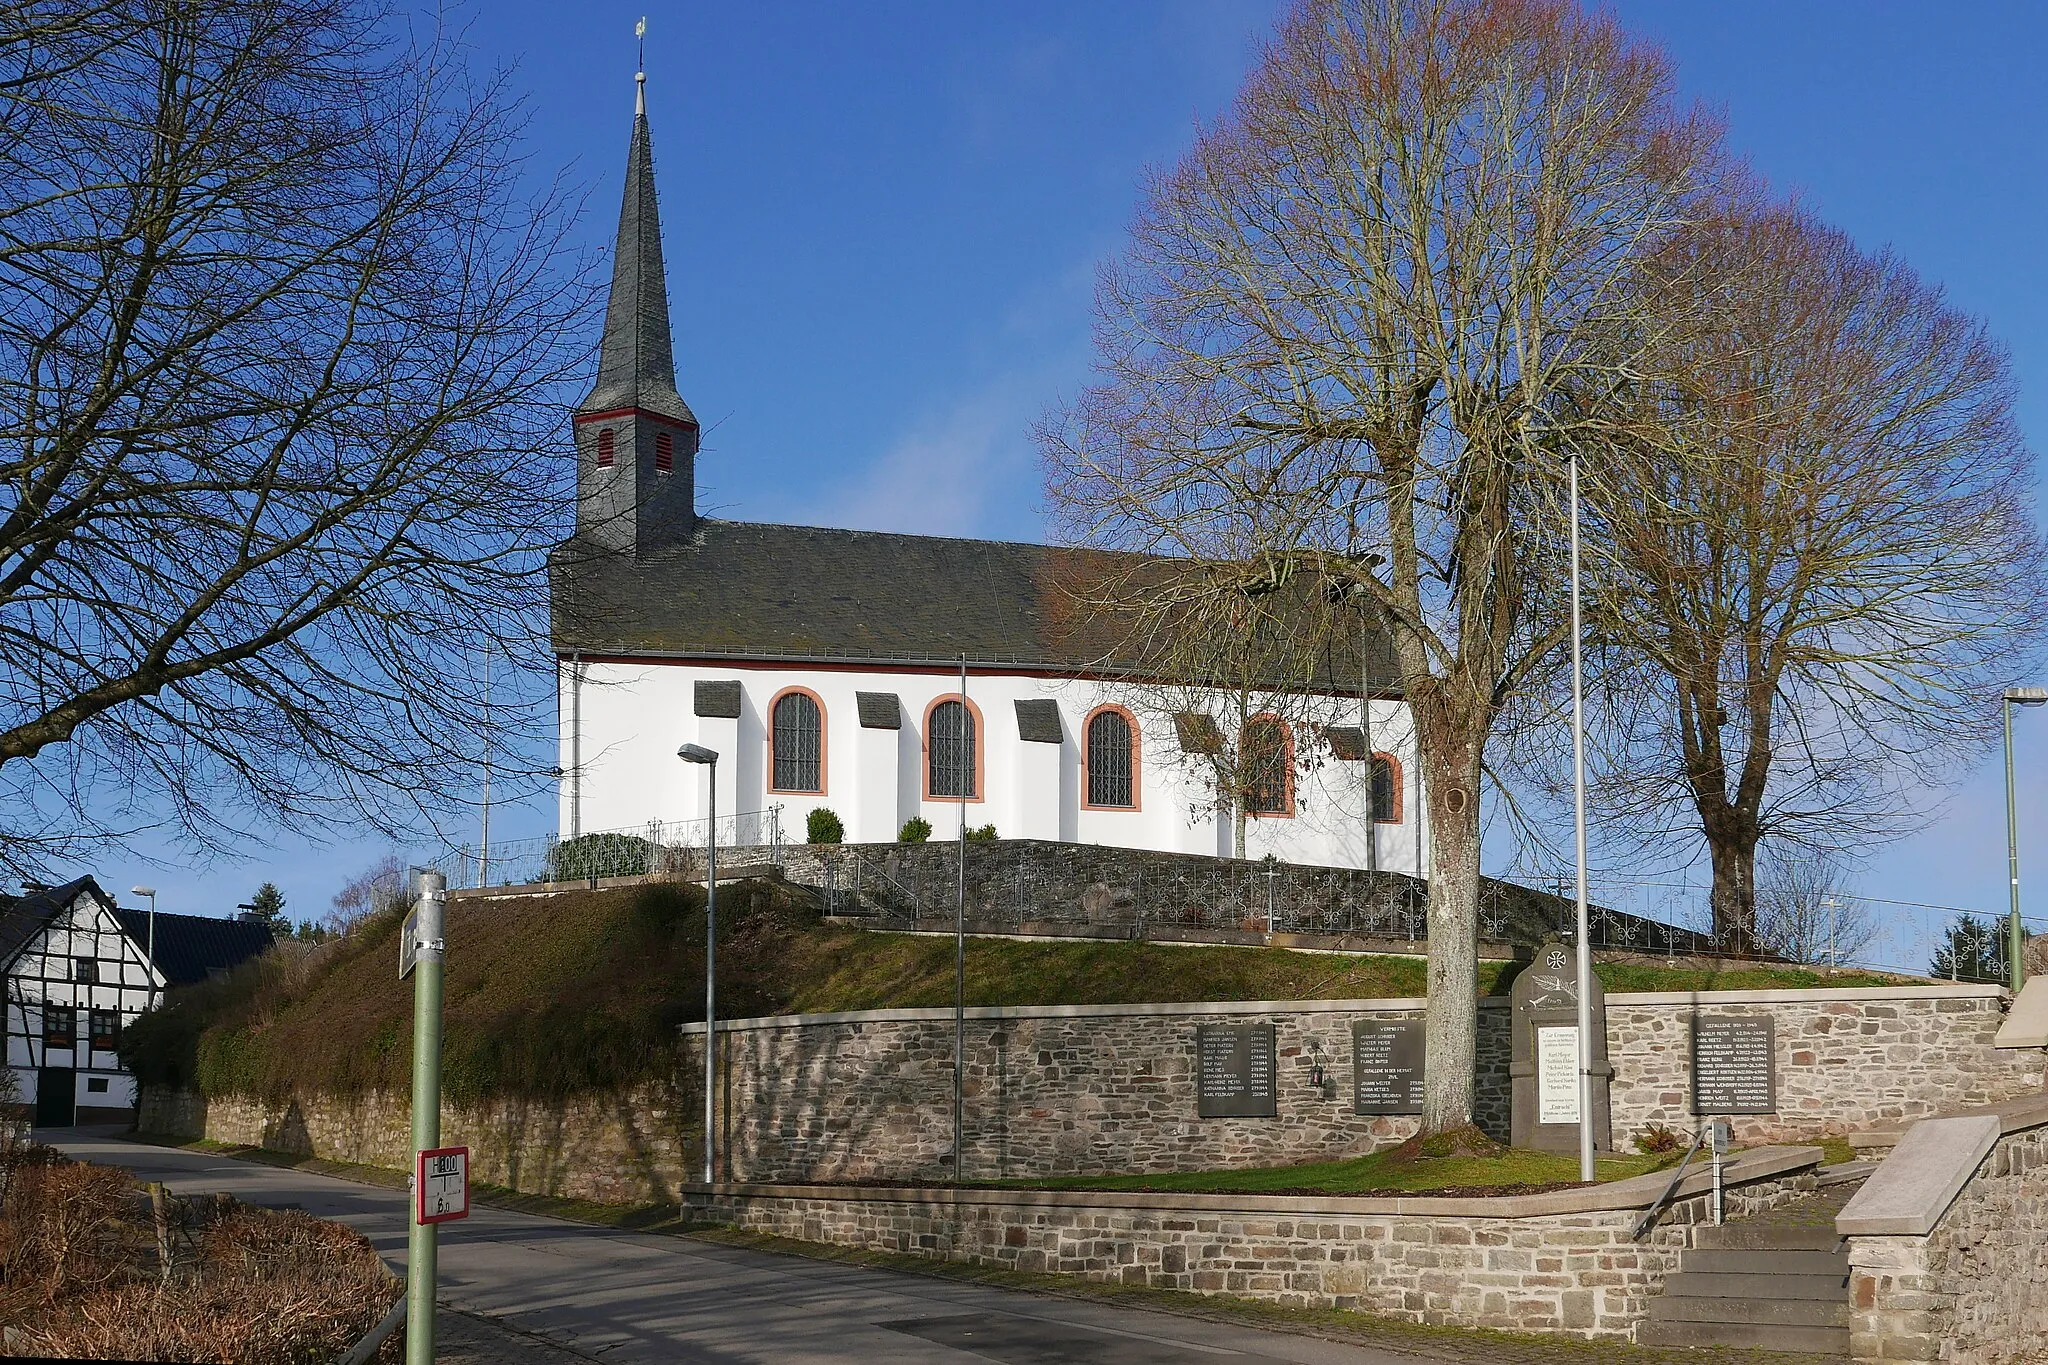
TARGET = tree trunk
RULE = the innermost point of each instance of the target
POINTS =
(1731, 843)
(1450, 759)
(1237, 819)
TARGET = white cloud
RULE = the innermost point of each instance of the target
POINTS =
(965, 470)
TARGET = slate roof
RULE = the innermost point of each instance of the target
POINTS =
(636, 365)
(191, 948)
(23, 917)
(807, 593)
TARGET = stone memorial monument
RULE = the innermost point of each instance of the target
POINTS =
(1543, 1061)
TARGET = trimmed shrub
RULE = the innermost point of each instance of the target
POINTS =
(821, 826)
(915, 830)
(599, 855)
(985, 834)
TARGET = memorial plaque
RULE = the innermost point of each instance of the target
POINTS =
(1234, 1072)
(1386, 1066)
(1557, 1074)
(1734, 1066)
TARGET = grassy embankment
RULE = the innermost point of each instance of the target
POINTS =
(581, 991)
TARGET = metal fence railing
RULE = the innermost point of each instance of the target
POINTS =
(675, 847)
(1039, 885)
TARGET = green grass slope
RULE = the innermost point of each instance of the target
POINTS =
(581, 991)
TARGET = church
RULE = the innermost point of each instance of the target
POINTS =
(890, 677)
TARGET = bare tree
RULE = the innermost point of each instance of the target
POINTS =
(279, 335)
(1344, 327)
(1816, 560)
(1802, 913)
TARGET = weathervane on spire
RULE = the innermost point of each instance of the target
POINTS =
(640, 76)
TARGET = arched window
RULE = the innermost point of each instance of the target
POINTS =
(1386, 789)
(949, 754)
(605, 446)
(797, 743)
(1267, 752)
(1112, 759)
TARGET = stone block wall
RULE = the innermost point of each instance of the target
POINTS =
(1970, 1291)
(616, 1149)
(1061, 1090)
(1582, 1274)
(1848, 1060)
(1045, 1094)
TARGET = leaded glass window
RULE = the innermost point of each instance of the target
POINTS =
(1268, 774)
(799, 744)
(949, 751)
(1109, 759)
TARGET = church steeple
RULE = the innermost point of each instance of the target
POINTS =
(636, 439)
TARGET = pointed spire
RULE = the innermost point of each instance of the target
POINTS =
(636, 365)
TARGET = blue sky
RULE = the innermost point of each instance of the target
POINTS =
(882, 221)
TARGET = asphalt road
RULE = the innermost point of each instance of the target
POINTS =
(619, 1296)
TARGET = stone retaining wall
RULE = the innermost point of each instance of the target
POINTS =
(1086, 1090)
(616, 1149)
(1971, 1290)
(1500, 1263)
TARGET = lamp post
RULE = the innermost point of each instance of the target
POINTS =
(2015, 696)
(697, 753)
(150, 892)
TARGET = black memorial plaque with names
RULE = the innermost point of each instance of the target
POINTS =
(1386, 1066)
(1734, 1066)
(1234, 1072)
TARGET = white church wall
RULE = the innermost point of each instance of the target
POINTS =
(634, 714)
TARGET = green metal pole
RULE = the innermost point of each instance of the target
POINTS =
(2012, 862)
(421, 1248)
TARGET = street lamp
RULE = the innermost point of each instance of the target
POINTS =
(2015, 696)
(697, 753)
(150, 892)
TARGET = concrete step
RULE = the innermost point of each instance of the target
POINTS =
(1751, 1261)
(1824, 1341)
(1830, 1288)
(1669, 1307)
(1760, 1236)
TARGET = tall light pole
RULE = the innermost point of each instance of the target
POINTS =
(697, 753)
(961, 752)
(2014, 696)
(150, 892)
(1579, 843)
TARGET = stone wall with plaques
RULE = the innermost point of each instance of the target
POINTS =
(1057, 1090)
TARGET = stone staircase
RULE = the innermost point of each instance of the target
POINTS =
(1779, 1280)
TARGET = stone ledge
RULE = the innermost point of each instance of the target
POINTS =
(1631, 1195)
(1921, 1178)
(1932, 991)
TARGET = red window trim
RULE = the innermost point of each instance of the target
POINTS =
(824, 750)
(1137, 788)
(1286, 811)
(607, 439)
(924, 752)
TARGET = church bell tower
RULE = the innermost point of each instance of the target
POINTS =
(636, 439)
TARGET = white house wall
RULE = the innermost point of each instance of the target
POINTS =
(633, 715)
(44, 974)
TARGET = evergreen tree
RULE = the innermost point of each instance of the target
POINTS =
(1971, 950)
(268, 906)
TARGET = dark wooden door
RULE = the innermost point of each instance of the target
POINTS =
(56, 1097)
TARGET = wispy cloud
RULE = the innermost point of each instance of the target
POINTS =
(966, 469)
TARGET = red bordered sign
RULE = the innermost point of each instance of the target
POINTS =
(441, 1185)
